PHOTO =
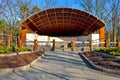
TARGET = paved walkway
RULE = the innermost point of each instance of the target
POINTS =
(60, 66)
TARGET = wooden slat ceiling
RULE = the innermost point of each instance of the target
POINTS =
(63, 22)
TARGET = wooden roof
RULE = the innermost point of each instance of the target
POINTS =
(63, 22)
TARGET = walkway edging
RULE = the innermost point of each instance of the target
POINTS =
(16, 53)
(91, 64)
(18, 69)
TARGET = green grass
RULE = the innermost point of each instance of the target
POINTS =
(112, 51)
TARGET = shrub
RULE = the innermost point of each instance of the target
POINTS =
(14, 48)
(111, 51)
(20, 49)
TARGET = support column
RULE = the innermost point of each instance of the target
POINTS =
(102, 36)
(108, 37)
(118, 43)
(72, 45)
(8, 43)
(10, 39)
(106, 43)
(35, 44)
(0, 42)
(24, 30)
(53, 46)
(90, 45)
(19, 43)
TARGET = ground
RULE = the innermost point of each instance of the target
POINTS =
(60, 66)
(105, 62)
(18, 60)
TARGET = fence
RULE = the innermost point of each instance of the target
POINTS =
(57, 45)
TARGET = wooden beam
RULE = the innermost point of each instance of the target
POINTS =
(84, 21)
(53, 46)
(35, 44)
(24, 31)
(90, 26)
(49, 21)
(70, 20)
(102, 36)
(72, 45)
(56, 21)
(36, 28)
(44, 26)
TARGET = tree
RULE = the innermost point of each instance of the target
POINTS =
(3, 25)
(35, 9)
(115, 17)
(24, 11)
(47, 4)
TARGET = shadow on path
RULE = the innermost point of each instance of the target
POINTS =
(53, 74)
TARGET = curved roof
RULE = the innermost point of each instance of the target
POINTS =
(63, 22)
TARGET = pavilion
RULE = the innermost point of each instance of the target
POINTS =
(63, 22)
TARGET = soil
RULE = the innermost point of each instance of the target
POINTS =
(105, 62)
(18, 60)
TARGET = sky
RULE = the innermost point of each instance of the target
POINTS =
(60, 3)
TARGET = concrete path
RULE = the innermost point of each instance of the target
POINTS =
(60, 66)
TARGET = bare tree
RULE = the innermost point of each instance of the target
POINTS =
(47, 4)
(115, 17)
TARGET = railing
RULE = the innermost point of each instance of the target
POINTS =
(64, 45)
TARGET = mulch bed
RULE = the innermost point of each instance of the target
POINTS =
(18, 60)
(105, 62)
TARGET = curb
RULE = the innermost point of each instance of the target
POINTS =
(92, 65)
(107, 55)
(16, 53)
(18, 69)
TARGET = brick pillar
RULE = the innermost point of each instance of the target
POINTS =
(53, 46)
(19, 43)
(35, 45)
(24, 30)
(0, 42)
(118, 43)
(72, 45)
(90, 45)
(102, 36)
(106, 43)
(8, 43)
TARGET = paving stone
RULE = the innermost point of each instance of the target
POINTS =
(60, 66)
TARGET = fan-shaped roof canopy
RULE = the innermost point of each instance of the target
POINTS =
(63, 22)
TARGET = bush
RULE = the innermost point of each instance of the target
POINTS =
(4, 49)
(111, 51)
(13, 48)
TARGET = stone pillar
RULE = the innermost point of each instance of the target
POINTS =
(102, 36)
(72, 45)
(24, 30)
(91, 45)
(35, 44)
(8, 43)
(118, 43)
(19, 43)
(106, 43)
(0, 42)
(53, 46)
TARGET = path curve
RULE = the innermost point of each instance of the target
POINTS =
(60, 66)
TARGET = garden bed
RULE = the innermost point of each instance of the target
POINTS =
(18, 60)
(103, 61)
